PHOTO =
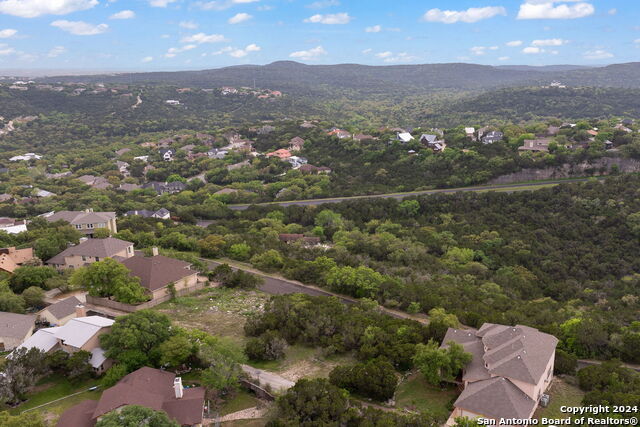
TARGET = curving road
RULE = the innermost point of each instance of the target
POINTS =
(505, 187)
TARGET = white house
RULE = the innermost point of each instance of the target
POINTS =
(404, 137)
(25, 157)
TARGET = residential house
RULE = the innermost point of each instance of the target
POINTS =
(167, 154)
(157, 272)
(627, 122)
(608, 145)
(123, 168)
(282, 154)
(310, 169)
(306, 240)
(161, 213)
(511, 368)
(307, 125)
(144, 159)
(239, 165)
(13, 226)
(15, 329)
(536, 145)
(404, 137)
(98, 182)
(623, 128)
(61, 312)
(58, 175)
(90, 251)
(128, 187)
(122, 151)
(492, 136)
(296, 144)
(148, 387)
(226, 191)
(296, 161)
(482, 131)
(217, 154)
(433, 142)
(80, 333)
(166, 187)
(339, 133)
(205, 138)
(25, 157)
(266, 129)
(592, 132)
(553, 130)
(12, 258)
(187, 148)
(85, 221)
(172, 102)
(43, 193)
(470, 133)
(4, 197)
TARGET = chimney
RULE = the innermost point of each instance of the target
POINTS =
(177, 387)
(154, 251)
(81, 311)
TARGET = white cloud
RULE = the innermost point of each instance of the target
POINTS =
(549, 42)
(57, 51)
(367, 51)
(221, 4)
(309, 55)
(240, 17)
(189, 25)
(35, 8)
(531, 50)
(374, 29)
(481, 50)
(241, 53)
(147, 59)
(80, 28)
(124, 14)
(504, 58)
(173, 51)
(200, 38)
(161, 3)
(470, 15)
(383, 55)
(6, 50)
(323, 3)
(390, 57)
(597, 54)
(613, 11)
(223, 50)
(547, 9)
(330, 19)
(7, 33)
(514, 43)
(637, 41)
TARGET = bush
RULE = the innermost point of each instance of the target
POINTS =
(565, 363)
(25, 277)
(268, 346)
(33, 296)
(270, 260)
(375, 379)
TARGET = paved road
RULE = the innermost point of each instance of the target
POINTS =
(583, 363)
(508, 187)
(275, 381)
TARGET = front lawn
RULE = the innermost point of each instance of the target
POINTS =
(562, 394)
(415, 393)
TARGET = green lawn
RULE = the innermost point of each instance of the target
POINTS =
(562, 394)
(245, 423)
(242, 400)
(416, 393)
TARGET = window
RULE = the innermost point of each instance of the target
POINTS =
(84, 258)
(97, 258)
(129, 249)
(78, 226)
(89, 225)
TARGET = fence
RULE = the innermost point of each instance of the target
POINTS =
(129, 308)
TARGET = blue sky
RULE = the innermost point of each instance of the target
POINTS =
(195, 34)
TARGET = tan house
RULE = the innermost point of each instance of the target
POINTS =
(12, 258)
(512, 367)
(90, 251)
(536, 145)
(61, 312)
(15, 329)
(296, 144)
(148, 387)
(157, 272)
(86, 221)
(81, 333)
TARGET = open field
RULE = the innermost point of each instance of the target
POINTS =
(416, 394)
(562, 394)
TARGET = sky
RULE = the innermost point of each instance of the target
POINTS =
(151, 35)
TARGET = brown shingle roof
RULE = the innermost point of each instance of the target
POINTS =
(13, 325)
(78, 217)
(12, 258)
(496, 398)
(63, 308)
(80, 415)
(157, 271)
(102, 248)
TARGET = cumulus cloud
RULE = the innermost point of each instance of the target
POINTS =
(613, 11)
(35, 8)
(597, 54)
(330, 19)
(161, 3)
(310, 54)
(241, 53)
(481, 50)
(367, 51)
(532, 50)
(221, 4)
(147, 59)
(189, 25)
(8, 33)
(6, 50)
(200, 38)
(80, 28)
(373, 29)
(549, 42)
(555, 9)
(323, 3)
(57, 51)
(124, 14)
(504, 58)
(239, 17)
(173, 51)
(391, 57)
(514, 43)
(470, 15)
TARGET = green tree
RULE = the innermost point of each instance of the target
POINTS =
(211, 246)
(28, 276)
(409, 208)
(77, 365)
(109, 278)
(113, 375)
(565, 363)
(101, 233)
(269, 346)
(176, 350)
(375, 379)
(136, 416)
(240, 251)
(359, 282)
(33, 296)
(29, 419)
(439, 322)
(270, 260)
(11, 302)
(438, 364)
(21, 372)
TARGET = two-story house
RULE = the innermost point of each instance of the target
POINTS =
(512, 366)
(86, 221)
(90, 251)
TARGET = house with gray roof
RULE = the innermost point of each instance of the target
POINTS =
(85, 221)
(510, 369)
(161, 213)
(61, 312)
(15, 329)
(90, 251)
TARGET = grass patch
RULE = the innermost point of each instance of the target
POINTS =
(416, 393)
(242, 400)
(245, 423)
(562, 394)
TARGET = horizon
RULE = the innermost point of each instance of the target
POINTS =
(186, 35)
